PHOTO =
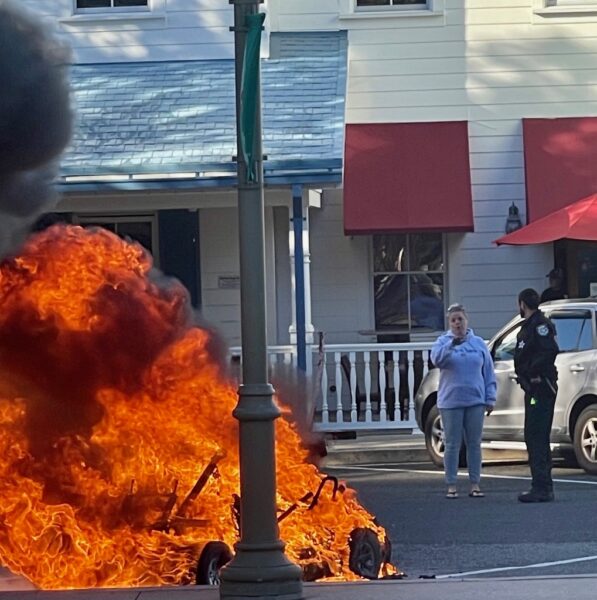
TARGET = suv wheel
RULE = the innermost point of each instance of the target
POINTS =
(585, 440)
(434, 439)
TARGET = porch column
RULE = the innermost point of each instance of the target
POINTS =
(301, 328)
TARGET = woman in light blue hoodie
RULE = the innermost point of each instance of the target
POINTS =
(467, 391)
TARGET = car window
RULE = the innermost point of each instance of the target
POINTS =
(574, 330)
(505, 346)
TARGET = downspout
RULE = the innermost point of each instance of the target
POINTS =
(299, 276)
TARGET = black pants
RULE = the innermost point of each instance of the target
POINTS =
(538, 417)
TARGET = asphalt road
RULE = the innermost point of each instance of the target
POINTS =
(485, 537)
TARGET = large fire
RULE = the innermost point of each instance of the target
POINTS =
(112, 404)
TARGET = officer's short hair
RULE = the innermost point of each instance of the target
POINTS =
(530, 297)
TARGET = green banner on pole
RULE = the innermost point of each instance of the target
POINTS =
(249, 92)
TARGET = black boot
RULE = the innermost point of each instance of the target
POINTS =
(535, 496)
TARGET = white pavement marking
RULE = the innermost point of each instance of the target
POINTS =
(519, 567)
(461, 473)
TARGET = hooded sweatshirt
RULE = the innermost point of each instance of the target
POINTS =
(466, 371)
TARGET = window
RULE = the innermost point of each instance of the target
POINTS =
(396, 4)
(504, 348)
(574, 330)
(140, 228)
(408, 282)
(571, 3)
(96, 5)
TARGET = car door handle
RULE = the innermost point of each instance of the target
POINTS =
(576, 368)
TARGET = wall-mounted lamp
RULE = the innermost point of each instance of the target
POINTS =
(513, 221)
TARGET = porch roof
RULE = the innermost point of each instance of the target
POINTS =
(172, 124)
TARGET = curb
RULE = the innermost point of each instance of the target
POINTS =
(416, 454)
(336, 458)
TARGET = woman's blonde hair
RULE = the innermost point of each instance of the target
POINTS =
(456, 307)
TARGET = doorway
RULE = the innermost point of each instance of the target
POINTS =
(578, 259)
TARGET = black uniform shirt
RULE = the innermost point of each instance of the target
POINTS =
(536, 348)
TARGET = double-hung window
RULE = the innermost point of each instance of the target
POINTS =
(115, 5)
(408, 282)
(392, 4)
(140, 228)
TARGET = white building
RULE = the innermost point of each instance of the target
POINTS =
(490, 65)
(445, 100)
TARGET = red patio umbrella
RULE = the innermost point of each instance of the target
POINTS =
(577, 221)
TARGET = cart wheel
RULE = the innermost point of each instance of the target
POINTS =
(213, 557)
(365, 553)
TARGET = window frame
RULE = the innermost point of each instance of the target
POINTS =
(155, 10)
(580, 313)
(422, 5)
(432, 8)
(112, 9)
(570, 3)
(564, 10)
(108, 219)
(409, 330)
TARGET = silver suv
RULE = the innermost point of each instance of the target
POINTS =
(575, 418)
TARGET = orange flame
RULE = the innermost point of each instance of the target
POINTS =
(110, 400)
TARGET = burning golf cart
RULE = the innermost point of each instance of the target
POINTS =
(368, 556)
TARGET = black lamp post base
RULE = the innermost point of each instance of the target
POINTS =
(261, 574)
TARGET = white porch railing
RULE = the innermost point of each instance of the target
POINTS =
(351, 387)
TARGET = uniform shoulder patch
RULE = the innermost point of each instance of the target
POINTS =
(543, 330)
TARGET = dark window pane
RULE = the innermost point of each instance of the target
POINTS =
(390, 2)
(391, 301)
(425, 252)
(118, 3)
(427, 301)
(574, 331)
(49, 219)
(109, 226)
(93, 3)
(389, 253)
(587, 270)
(139, 232)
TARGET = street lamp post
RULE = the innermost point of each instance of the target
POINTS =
(259, 568)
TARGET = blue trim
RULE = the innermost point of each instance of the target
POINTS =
(333, 177)
(269, 166)
(299, 276)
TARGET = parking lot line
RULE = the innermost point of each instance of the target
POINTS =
(460, 473)
(554, 563)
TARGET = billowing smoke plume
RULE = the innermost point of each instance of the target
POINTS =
(35, 119)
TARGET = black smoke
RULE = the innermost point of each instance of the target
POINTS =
(35, 118)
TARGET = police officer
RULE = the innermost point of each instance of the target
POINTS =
(534, 358)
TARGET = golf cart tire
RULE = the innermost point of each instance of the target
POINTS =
(366, 553)
(213, 557)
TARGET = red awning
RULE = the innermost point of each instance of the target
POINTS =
(560, 157)
(407, 177)
(577, 221)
